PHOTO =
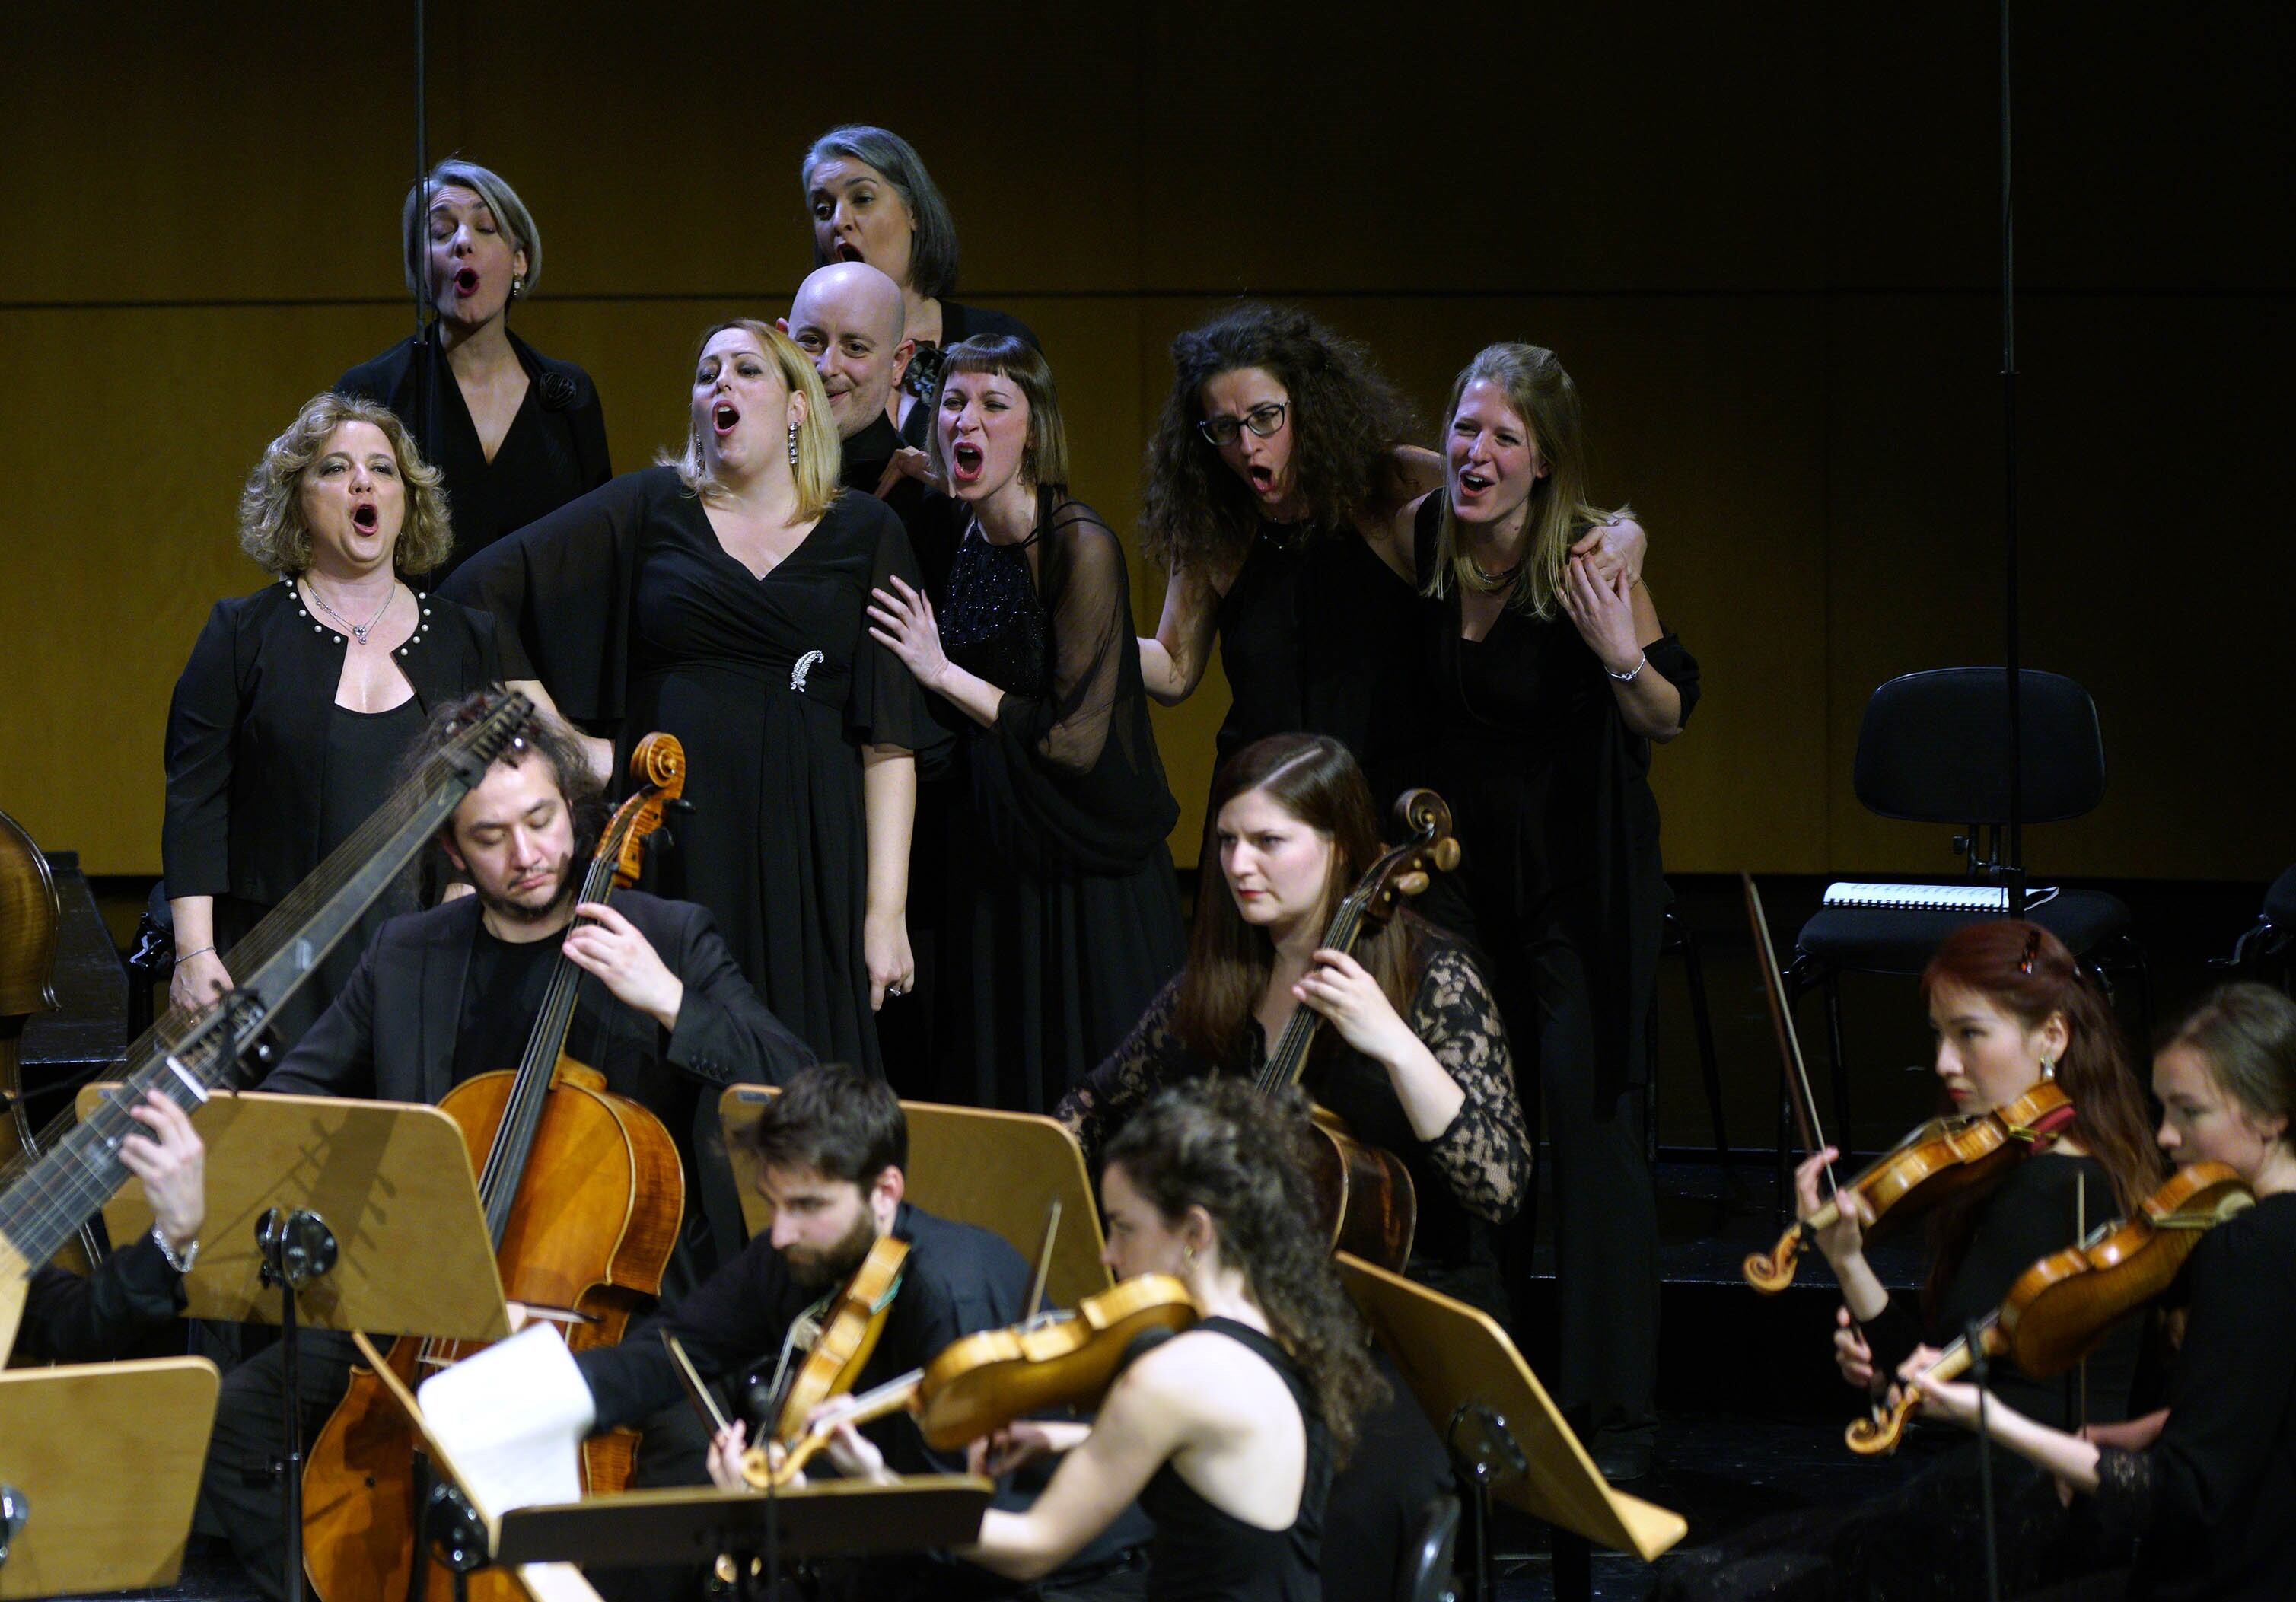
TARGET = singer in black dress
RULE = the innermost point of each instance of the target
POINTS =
(629, 608)
(515, 434)
(1063, 914)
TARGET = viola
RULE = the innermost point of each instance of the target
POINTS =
(583, 1191)
(981, 1383)
(1366, 1193)
(1944, 1158)
(2062, 1307)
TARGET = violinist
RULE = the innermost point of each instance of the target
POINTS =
(833, 1151)
(2010, 1009)
(2210, 1488)
(70, 1320)
(1228, 1434)
(454, 991)
(1415, 1056)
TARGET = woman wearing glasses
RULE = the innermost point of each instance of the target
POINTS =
(1273, 485)
(1062, 915)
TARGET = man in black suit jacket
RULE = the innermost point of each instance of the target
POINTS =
(663, 1013)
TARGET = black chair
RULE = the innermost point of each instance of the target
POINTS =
(1427, 1570)
(1933, 749)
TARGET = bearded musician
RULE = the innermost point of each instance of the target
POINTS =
(663, 1013)
(832, 1148)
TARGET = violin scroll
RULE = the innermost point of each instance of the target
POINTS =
(1771, 1271)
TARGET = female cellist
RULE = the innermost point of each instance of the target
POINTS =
(2210, 1489)
(2010, 1009)
(1226, 1434)
(1413, 1057)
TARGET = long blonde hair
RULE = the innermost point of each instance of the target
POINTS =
(818, 457)
(1541, 393)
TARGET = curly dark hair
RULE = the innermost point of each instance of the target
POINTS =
(549, 737)
(1241, 1155)
(1346, 418)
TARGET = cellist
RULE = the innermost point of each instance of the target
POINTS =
(833, 1152)
(445, 994)
(2010, 1009)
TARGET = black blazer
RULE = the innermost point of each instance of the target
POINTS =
(247, 734)
(391, 1035)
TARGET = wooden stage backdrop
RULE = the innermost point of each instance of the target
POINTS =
(1763, 237)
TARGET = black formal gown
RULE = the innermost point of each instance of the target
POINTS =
(1560, 886)
(957, 322)
(1318, 636)
(1062, 912)
(267, 776)
(555, 448)
(634, 617)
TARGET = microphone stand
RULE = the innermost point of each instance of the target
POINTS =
(2013, 857)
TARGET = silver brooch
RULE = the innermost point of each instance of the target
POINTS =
(804, 666)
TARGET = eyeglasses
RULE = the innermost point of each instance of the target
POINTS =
(1261, 420)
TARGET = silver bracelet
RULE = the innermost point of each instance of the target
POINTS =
(188, 955)
(1637, 673)
(180, 1262)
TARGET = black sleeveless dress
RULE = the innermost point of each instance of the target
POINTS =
(1202, 1554)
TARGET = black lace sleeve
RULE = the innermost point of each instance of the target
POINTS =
(1485, 1154)
(2124, 1490)
(1148, 1059)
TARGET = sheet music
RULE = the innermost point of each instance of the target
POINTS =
(511, 1419)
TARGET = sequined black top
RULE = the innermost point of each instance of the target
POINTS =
(992, 625)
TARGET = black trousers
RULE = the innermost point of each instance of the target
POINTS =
(239, 1490)
(1605, 1222)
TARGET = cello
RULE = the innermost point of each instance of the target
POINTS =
(583, 1192)
(1366, 1191)
(30, 918)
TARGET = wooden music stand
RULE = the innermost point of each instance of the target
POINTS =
(390, 1236)
(105, 1462)
(392, 1181)
(1453, 1355)
(993, 1170)
(826, 1518)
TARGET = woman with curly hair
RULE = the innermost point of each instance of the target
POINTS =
(289, 721)
(1272, 483)
(870, 198)
(1415, 1056)
(515, 434)
(1227, 1435)
(719, 595)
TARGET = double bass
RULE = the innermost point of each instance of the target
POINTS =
(1366, 1191)
(583, 1192)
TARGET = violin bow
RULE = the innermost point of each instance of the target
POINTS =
(1801, 1098)
(1043, 1273)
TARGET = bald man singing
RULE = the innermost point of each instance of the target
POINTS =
(847, 316)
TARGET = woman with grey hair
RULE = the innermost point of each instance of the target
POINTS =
(291, 717)
(516, 434)
(872, 200)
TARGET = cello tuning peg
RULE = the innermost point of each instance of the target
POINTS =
(1412, 884)
(1447, 854)
(680, 806)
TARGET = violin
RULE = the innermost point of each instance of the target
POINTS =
(1944, 1158)
(981, 1383)
(1366, 1193)
(2063, 1306)
(584, 1192)
(847, 1341)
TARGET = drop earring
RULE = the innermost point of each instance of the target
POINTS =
(792, 445)
(2048, 1071)
(517, 286)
